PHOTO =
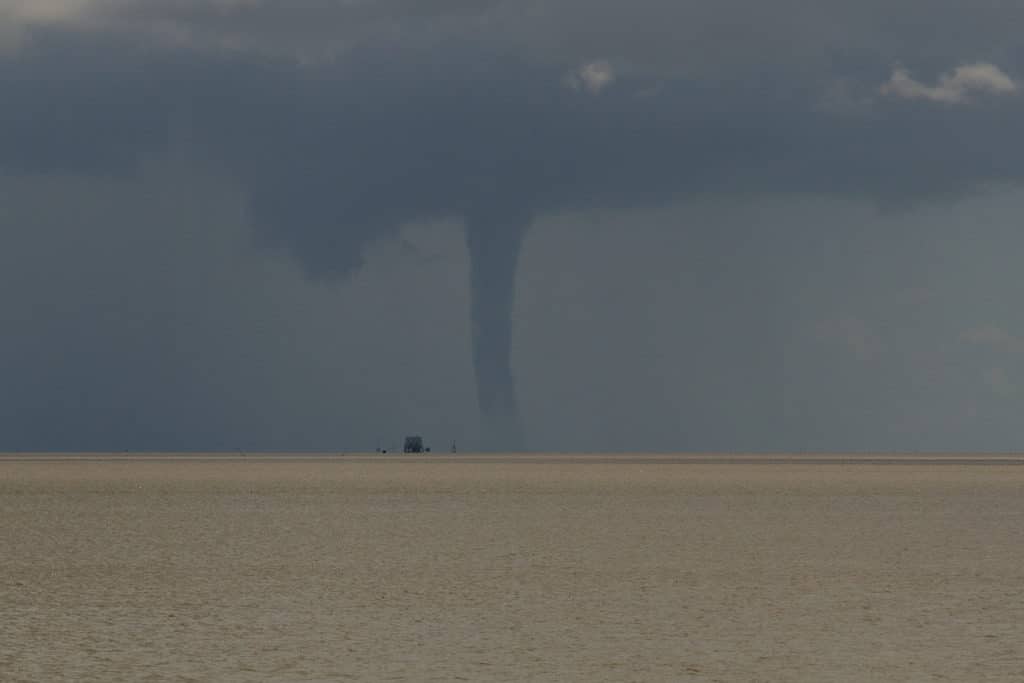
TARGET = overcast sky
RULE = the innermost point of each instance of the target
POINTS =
(744, 225)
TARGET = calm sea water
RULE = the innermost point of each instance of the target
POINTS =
(557, 569)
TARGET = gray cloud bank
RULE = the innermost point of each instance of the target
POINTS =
(343, 122)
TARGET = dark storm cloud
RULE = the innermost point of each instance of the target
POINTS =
(344, 122)
(337, 153)
(689, 36)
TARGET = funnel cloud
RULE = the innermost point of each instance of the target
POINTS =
(494, 243)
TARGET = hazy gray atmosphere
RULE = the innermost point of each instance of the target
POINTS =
(559, 225)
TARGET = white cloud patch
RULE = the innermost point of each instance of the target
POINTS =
(953, 88)
(592, 77)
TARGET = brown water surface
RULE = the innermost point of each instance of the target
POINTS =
(506, 569)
